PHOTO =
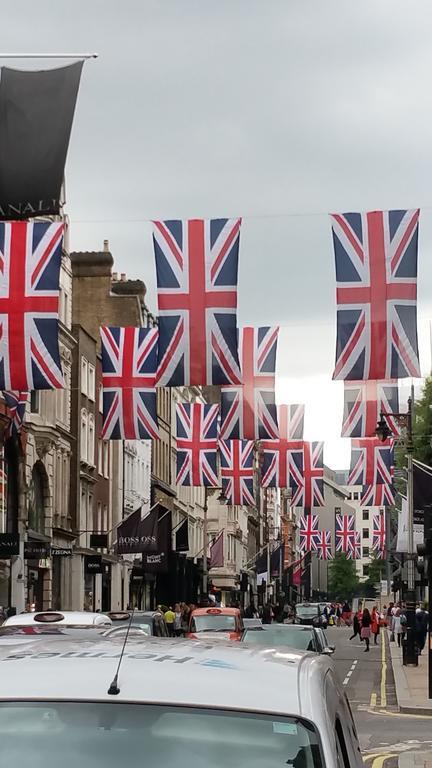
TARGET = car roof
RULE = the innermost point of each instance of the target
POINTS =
(283, 627)
(162, 671)
(215, 609)
(69, 618)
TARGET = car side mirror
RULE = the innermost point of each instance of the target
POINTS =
(329, 650)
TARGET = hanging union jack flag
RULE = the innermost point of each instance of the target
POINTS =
(196, 269)
(379, 534)
(129, 358)
(306, 474)
(16, 404)
(197, 441)
(354, 551)
(324, 549)
(378, 495)
(237, 471)
(30, 258)
(276, 453)
(345, 533)
(371, 462)
(309, 533)
(376, 274)
(364, 402)
(248, 410)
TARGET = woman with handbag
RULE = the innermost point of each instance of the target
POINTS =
(366, 628)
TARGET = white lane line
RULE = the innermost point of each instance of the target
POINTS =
(346, 681)
(349, 673)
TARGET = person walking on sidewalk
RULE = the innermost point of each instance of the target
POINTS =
(421, 623)
(375, 623)
(398, 629)
(366, 628)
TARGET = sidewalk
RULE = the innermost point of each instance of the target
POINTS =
(411, 683)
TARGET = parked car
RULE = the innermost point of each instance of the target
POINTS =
(152, 623)
(59, 700)
(218, 623)
(302, 638)
(251, 623)
(67, 618)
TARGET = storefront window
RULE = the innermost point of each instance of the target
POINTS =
(36, 500)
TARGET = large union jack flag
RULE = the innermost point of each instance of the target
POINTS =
(371, 462)
(196, 269)
(248, 410)
(324, 548)
(129, 358)
(306, 468)
(364, 402)
(237, 471)
(308, 533)
(354, 551)
(30, 258)
(345, 533)
(278, 454)
(16, 404)
(376, 274)
(379, 534)
(377, 495)
(197, 441)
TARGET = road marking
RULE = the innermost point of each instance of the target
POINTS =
(379, 761)
(383, 672)
(387, 713)
(373, 699)
(346, 681)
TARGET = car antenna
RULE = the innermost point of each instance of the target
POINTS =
(114, 689)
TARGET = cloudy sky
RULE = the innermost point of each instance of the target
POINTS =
(275, 111)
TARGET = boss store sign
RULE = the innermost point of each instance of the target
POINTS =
(9, 545)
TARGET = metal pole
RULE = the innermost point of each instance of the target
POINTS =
(205, 542)
(267, 540)
(268, 572)
(410, 655)
(388, 547)
(49, 55)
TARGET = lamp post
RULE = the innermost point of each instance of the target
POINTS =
(383, 433)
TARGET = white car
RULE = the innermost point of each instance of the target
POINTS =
(172, 704)
(69, 618)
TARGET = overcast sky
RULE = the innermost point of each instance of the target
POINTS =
(278, 112)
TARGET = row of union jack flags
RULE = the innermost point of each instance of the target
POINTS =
(347, 539)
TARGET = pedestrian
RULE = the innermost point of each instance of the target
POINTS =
(366, 628)
(251, 611)
(178, 629)
(398, 630)
(169, 616)
(346, 614)
(375, 623)
(421, 628)
(267, 614)
(338, 613)
(356, 627)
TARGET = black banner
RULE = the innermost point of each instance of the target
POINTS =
(9, 545)
(36, 550)
(182, 537)
(99, 540)
(136, 535)
(36, 114)
(158, 561)
(93, 564)
(422, 492)
(61, 551)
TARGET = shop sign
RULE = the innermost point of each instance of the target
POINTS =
(36, 550)
(93, 564)
(61, 551)
(99, 540)
(9, 545)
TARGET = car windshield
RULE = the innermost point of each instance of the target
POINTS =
(306, 610)
(214, 622)
(103, 735)
(288, 636)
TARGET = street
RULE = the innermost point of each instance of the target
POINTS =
(387, 737)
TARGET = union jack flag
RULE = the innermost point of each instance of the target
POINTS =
(129, 358)
(237, 471)
(379, 534)
(364, 402)
(371, 462)
(16, 404)
(376, 273)
(196, 269)
(307, 474)
(345, 533)
(248, 410)
(324, 549)
(309, 533)
(377, 495)
(277, 454)
(197, 441)
(30, 258)
(354, 551)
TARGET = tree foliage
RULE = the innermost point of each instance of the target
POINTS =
(343, 582)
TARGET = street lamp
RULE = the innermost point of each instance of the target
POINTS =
(383, 432)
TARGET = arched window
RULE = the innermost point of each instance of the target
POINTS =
(91, 440)
(84, 430)
(36, 512)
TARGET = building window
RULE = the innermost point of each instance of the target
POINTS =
(232, 514)
(101, 399)
(355, 495)
(365, 533)
(84, 439)
(366, 570)
(105, 519)
(365, 514)
(91, 387)
(232, 541)
(105, 451)
(100, 457)
(91, 440)
(337, 510)
(84, 375)
(99, 528)
(35, 401)
(365, 551)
